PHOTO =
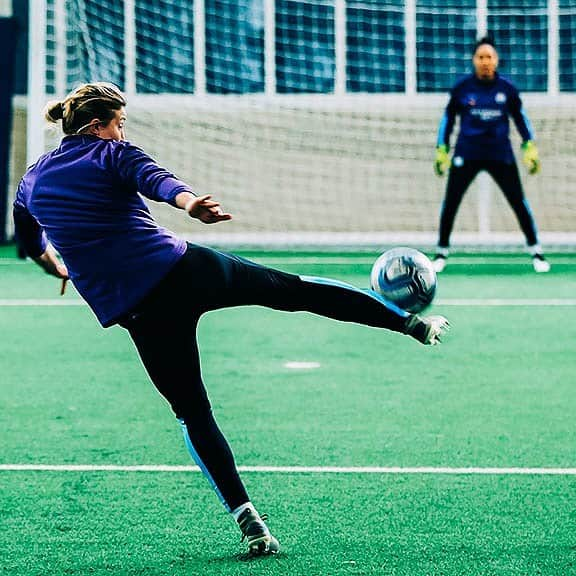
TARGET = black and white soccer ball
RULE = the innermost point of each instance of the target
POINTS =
(405, 277)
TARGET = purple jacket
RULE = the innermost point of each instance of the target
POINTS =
(84, 198)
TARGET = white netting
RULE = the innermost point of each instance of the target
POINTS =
(298, 159)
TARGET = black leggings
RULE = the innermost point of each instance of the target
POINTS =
(507, 178)
(163, 329)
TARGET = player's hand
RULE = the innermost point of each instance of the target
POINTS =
(50, 263)
(442, 161)
(428, 330)
(530, 157)
(206, 210)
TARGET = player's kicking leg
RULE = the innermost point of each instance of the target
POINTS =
(242, 282)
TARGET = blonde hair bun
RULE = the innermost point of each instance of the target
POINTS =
(54, 111)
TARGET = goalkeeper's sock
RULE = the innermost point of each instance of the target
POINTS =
(535, 250)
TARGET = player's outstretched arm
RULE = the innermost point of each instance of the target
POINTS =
(428, 330)
(202, 207)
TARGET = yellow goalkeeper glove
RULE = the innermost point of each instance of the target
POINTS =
(442, 162)
(530, 157)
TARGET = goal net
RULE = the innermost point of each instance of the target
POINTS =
(314, 121)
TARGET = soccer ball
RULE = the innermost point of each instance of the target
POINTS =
(405, 277)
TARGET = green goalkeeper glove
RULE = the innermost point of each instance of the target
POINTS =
(442, 162)
(530, 157)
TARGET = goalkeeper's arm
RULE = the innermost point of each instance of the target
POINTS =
(442, 159)
(530, 155)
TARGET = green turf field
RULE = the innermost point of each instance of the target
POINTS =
(500, 393)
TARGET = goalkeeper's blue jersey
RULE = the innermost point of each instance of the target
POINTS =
(484, 108)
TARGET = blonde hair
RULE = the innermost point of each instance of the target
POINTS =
(89, 101)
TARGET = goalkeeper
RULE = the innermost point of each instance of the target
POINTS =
(84, 200)
(485, 101)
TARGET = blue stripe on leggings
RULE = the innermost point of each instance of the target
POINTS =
(531, 214)
(370, 293)
(201, 464)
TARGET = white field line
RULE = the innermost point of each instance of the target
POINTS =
(428, 470)
(494, 302)
(41, 302)
(506, 302)
(344, 260)
(455, 261)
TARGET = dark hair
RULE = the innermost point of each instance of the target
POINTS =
(88, 101)
(484, 40)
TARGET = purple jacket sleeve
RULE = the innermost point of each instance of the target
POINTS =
(141, 172)
(29, 233)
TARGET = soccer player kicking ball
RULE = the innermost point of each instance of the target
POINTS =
(485, 101)
(83, 201)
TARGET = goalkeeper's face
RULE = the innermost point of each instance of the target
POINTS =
(485, 62)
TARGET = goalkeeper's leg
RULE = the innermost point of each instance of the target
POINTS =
(508, 179)
(459, 179)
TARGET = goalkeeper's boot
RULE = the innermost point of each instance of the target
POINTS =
(540, 263)
(427, 329)
(439, 263)
(255, 531)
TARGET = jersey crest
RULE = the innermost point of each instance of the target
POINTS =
(500, 98)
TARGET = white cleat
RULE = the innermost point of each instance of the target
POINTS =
(428, 330)
(439, 263)
(437, 327)
(540, 264)
(255, 531)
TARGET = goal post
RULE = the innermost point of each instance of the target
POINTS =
(8, 35)
(314, 121)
